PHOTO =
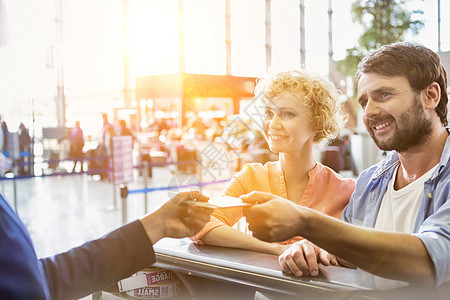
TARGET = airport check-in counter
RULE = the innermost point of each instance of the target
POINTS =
(210, 272)
(217, 273)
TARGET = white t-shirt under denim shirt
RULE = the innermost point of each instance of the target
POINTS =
(398, 213)
(399, 208)
(432, 224)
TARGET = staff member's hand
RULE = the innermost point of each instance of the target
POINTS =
(176, 218)
(272, 218)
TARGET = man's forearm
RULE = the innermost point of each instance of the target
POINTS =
(387, 254)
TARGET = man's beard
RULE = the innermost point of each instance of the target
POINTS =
(412, 129)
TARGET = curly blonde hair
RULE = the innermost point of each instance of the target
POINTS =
(318, 94)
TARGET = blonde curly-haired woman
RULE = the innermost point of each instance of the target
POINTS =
(301, 109)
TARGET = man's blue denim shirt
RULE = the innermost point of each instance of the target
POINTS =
(433, 220)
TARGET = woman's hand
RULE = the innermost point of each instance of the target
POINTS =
(302, 258)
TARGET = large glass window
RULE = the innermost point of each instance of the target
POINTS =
(248, 56)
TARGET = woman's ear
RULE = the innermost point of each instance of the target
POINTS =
(432, 95)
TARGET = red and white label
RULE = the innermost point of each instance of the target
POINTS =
(142, 279)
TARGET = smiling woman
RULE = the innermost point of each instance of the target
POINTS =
(287, 124)
(301, 109)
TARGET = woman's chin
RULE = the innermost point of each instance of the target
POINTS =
(275, 150)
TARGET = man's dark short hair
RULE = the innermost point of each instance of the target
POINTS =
(415, 62)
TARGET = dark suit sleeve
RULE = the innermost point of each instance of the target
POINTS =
(99, 264)
(20, 275)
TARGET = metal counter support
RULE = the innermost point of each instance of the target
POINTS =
(145, 172)
(123, 196)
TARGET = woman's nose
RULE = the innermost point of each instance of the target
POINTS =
(275, 122)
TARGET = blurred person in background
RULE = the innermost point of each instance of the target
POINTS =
(25, 150)
(301, 110)
(104, 152)
(214, 129)
(157, 125)
(108, 150)
(197, 127)
(107, 131)
(5, 136)
(124, 130)
(76, 140)
(162, 125)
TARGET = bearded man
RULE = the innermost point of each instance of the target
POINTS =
(397, 223)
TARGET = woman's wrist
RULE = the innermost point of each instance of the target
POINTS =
(278, 249)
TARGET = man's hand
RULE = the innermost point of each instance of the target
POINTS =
(272, 218)
(302, 257)
(176, 218)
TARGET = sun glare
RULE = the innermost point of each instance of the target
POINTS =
(154, 37)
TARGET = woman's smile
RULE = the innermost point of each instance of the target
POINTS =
(277, 137)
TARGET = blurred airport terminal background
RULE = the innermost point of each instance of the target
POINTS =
(162, 92)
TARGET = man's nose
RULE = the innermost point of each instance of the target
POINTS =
(372, 108)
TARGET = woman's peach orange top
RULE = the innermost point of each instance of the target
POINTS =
(326, 192)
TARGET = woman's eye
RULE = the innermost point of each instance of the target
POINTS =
(268, 114)
(287, 115)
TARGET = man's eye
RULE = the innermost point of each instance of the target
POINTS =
(363, 103)
(384, 95)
